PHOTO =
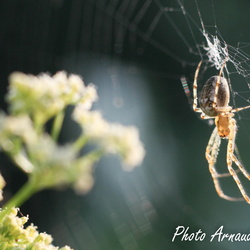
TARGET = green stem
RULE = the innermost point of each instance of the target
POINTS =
(38, 123)
(92, 156)
(23, 162)
(23, 194)
(80, 142)
(57, 125)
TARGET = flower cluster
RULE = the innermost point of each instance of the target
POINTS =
(33, 101)
(24, 136)
(60, 166)
(111, 137)
(2, 184)
(13, 235)
(43, 97)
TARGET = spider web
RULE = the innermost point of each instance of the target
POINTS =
(182, 32)
(216, 52)
(185, 31)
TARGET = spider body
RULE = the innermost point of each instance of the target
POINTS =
(222, 123)
(207, 96)
(214, 104)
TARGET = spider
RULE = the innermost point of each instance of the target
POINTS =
(214, 104)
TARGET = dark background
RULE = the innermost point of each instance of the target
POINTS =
(137, 73)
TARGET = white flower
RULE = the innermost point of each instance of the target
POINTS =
(113, 138)
(94, 125)
(53, 164)
(2, 184)
(44, 96)
(84, 182)
(90, 96)
(18, 126)
(56, 166)
(125, 140)
(14, 235)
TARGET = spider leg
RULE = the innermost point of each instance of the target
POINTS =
(240, 166)
(195, 102)
(212, 151)
(204, 116)
(232, 158)
(195, 98)
(239, 109)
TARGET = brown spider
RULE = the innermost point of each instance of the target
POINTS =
(214, 100)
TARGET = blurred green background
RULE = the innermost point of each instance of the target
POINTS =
(135, 52)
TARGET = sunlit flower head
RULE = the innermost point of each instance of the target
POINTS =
(59, 166)
(14, 235)
(29, 136)
(44, 96)
(15, 131)
(112, 137)
(2, 184)
(90, 96)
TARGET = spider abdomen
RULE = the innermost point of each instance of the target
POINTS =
(207, 96)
